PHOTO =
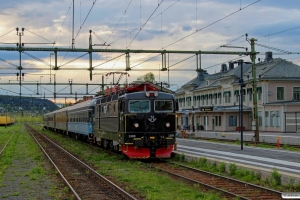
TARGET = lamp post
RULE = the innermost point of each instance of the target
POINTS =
(242, 85)
(70, 82)
(6, 111)
(50, 65)
(193, 125)
(41, 85)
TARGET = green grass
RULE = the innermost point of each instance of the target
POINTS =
(271, 146)
(135, 176)
(23, 147)
(273, 181)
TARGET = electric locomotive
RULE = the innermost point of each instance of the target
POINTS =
(139, 121)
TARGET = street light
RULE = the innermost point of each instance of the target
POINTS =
(193, 125)
(242, 85)
(50, 65)
(41, 85)
(70, 82)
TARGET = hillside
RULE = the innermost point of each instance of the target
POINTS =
(29, 104)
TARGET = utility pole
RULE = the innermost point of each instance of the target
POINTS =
(20, 34)
(255, 111)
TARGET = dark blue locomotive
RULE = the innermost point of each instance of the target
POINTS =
(139, 121)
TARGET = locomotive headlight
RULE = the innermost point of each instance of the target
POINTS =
(147, 94)
(156, 94)
(168, 124)
(136, 125)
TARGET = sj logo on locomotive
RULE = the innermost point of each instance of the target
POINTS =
(152, 119)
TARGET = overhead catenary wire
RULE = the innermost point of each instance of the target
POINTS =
(40, 36)
(63, 21)
(119, 20)
(7, 33)
(94, 1)
(273, 48)
(213, 23)
(145, 23)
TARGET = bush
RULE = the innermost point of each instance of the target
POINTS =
(232, 169)
(275, 178)
(222, 167)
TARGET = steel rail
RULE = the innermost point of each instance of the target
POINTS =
(60, 173)
(111, 184)
(229, 178)
(224, 192)
(6, 144)
(220, 177)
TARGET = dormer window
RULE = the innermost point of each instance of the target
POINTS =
(206, 82)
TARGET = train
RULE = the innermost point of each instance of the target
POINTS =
(6, 120)
(138, 120)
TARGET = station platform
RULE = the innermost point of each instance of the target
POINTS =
(248, 136)
(260, 160)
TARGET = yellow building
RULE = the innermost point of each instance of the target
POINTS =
(211, 101)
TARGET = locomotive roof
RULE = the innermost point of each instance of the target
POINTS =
(142, 95)
(87, 103)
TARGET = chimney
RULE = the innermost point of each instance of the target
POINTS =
(231, 65)
(268, 56)
(223, 68)
(201, 74)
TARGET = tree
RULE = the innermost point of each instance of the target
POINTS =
(147, 77)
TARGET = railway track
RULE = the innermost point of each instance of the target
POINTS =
(2, 147)
(229, 187)
(83, 181)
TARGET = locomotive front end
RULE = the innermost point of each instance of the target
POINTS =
(150, 126)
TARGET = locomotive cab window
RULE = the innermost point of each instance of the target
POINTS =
(136, 106)
(163, 106)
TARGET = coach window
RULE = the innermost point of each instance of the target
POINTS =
(136, 106)
(163, 106)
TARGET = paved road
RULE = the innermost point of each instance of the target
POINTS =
(282, 160)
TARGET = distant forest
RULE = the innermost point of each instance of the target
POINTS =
(29, 104)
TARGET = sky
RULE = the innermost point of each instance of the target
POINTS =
(188, 25)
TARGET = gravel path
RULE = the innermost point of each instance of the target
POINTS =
(29, 175)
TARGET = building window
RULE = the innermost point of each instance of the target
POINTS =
(266, 118)
(237, 96)
(220, 99)
(244, 95)
(259, 96)
(272, 115)
(206, 99)
(188, 101)
(227, 97)
(198, 121)
(232, 120)
(280, 93)
(277, 118)
(250, 96)
(296, 93)
(205, 119)
(218, 120)
(259, 118)
(216, 99)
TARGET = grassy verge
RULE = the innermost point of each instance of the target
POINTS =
(134, 176)
(273, 181)
(24, 168)
(262, 145)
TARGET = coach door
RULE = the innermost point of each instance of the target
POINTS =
(121, 108)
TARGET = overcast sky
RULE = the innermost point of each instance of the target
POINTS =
(141, 24)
